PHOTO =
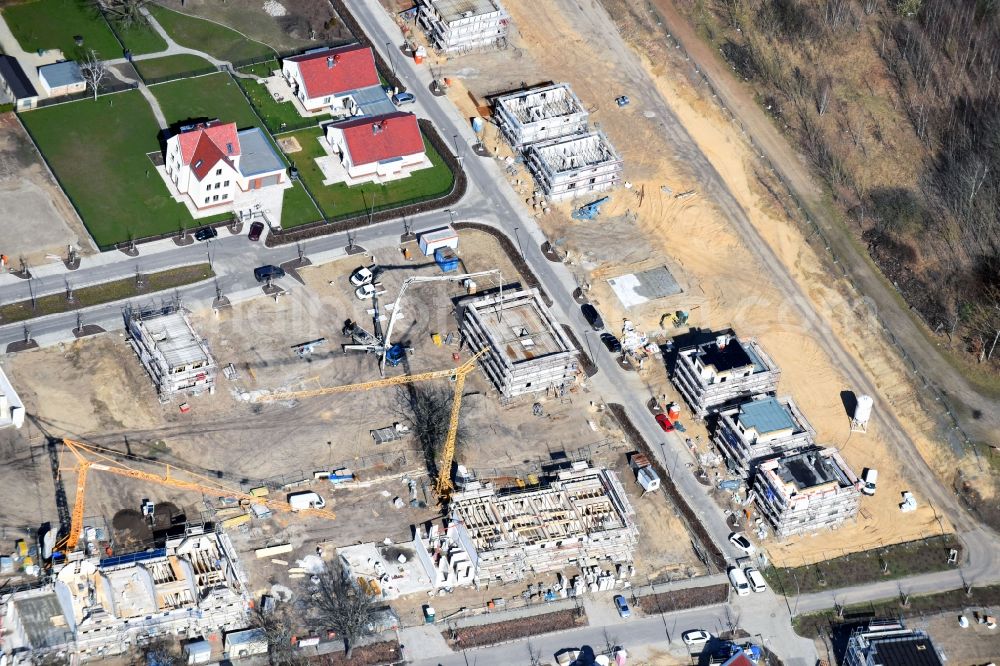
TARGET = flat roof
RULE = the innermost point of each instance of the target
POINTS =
(729, 357)
(256, 153)
(372, 100)
(451, 10)
(905, 651)
(175, 339)
(764, 416)
(18, 82)
(810, 469)
(43, 620)
(61, 73)
(519, 325)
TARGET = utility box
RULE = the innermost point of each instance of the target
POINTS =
(433, 239)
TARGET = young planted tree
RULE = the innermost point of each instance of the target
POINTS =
(94, 71)
(337, 604)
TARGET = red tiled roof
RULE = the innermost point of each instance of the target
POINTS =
(740, 659)
(205, 145)
(353, 67)
(378, 138)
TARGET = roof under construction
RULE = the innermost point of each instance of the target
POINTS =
(175, 340)
(519, 325)
(538, 104)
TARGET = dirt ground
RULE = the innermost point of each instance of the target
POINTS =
(28, 192)
(723, 283)
(96, 391)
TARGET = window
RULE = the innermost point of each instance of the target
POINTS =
(206, 199)
(218, 185)
(226, 184)
(225, 196)
(215, 197)
(218, 172)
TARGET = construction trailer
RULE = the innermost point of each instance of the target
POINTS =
(539, 114)
(806, 491)
(527, 350)
(889, 643)
(11, 407)
(758, 429)
(96, 608)
(454, 27)
(175, 356)
(721, 371)
(571, 166)
(581, 517)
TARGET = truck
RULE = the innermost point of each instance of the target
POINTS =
(305, 500)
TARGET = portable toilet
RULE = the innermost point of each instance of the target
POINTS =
(446, 259)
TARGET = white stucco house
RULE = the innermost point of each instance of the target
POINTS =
(213, 168)
(338, 80)
(373, 149)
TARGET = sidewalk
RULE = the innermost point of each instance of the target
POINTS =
(30, 61)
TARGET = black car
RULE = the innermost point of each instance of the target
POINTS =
(256, 229)
(592, 316)
(265, 273)
(205, 233)
(611, 342)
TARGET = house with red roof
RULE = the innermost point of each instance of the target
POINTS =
(213, 167)
(374, 149)
(338, 80)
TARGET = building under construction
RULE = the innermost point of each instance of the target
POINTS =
(723, 371)
(569, 166)
(539, 114)
(174, 355)
(96, 608)
(461, 26)
(806, 491)
(759, 429)
(581, 517)
(528, 351)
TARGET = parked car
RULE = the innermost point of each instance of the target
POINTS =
(755, 579)
(739, 581)
(665, 423)
(622, 606)
(742, 543)
(612, 343)
(269, 272)
(361, 276)
(256, 229)
(869, 479)
(592, 316)
(366, 291)
(205, 233)
(399, 99)
(696, 637)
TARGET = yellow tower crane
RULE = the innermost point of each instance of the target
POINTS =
(443, 485)
(92, 457)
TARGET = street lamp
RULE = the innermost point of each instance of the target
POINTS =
(388, 53)
(517, 237)
(451, 215)
(454, 138)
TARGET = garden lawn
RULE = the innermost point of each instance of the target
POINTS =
(98, 153)
(297, 208)
(278, 116)
(212, 38)
(175, 65)
(340, 201)
(52, 24)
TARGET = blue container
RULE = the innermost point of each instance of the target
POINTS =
(446, 259)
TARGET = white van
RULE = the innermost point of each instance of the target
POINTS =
(739, 581)
(306, 500)
(755, 579)
(868, 481)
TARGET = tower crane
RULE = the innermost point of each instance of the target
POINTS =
(93, 458)
(443, 485)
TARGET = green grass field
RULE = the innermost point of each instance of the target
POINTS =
(98, 152)
(339, 201)
(212, 38)
(218, 96)
(35, 27)
(174, 65)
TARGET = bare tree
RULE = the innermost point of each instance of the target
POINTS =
(870, 6)
(277, 626)
(161, 651)
(94, 71)
(127, 13)
(427, 410)
(824, 88)
(835, 12)
(339, 605)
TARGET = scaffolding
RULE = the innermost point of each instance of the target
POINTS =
(759, 429)
(175, 356)
(569, 166)
(462, 26)
(540, 114)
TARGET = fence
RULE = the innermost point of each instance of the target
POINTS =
(382, 459)
(189, 74)
(587, 452)
(817, 236)
(104, 89)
